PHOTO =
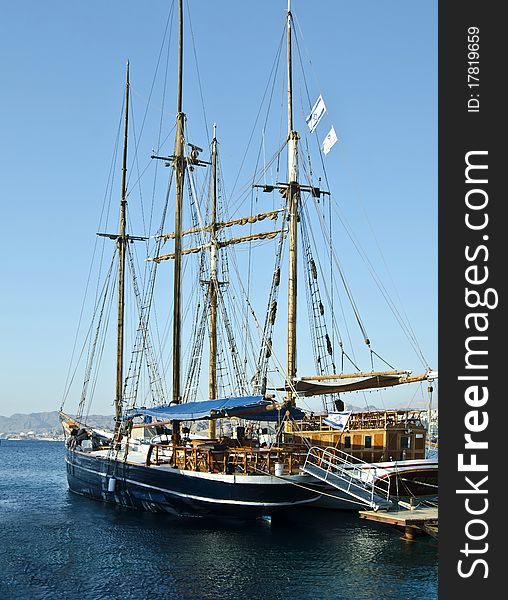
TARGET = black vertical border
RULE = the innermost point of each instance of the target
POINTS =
(461, 131)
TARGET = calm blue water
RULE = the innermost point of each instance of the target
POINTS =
(57, 545)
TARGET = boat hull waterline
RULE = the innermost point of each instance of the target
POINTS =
(166, 489)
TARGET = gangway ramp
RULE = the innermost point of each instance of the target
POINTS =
(350, 475)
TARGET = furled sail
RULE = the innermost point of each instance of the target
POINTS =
(266, 235)
(314, 387)
(273, 214)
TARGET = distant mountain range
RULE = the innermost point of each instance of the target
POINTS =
(43, 423)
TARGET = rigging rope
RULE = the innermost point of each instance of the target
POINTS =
(273, 72)
(100, 330)
(197, 72)
(260, 377)
(169, 20)
(405, 325)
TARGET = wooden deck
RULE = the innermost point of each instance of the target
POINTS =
(412, 521)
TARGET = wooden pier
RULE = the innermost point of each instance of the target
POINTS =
(412, 521)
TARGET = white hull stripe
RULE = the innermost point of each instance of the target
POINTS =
(199, 498)
(87, 469)
(401, 466)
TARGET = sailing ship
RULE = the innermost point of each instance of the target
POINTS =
(157, 458)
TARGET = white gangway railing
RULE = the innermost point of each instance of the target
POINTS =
(349, 474)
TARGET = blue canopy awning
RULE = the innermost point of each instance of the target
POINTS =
(255, 408)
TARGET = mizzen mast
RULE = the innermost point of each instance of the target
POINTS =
(293, 195)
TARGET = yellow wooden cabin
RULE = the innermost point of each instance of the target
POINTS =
(371, 436)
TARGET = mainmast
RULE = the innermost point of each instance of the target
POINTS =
(293, 193)
(213, 288)
(213, 284)
(179, 167)
(121, 244)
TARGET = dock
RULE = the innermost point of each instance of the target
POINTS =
(423, 519)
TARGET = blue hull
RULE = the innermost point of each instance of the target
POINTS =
(183, 492)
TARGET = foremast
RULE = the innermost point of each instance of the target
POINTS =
(121, 244)
(122, 238)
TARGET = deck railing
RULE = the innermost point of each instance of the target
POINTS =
(239, 461)
(365, 420)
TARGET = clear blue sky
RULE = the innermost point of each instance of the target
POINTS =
(62, 67)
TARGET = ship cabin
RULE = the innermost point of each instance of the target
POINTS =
(370, 436)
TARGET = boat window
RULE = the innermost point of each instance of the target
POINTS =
(368, 441)
(405, 441)
(347, 441)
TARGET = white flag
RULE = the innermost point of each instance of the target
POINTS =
(318, 110)
(337, 420)
(329, 141)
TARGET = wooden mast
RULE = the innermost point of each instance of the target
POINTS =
(179, 167)
(213, 288)
(121, 243)
(293, 193)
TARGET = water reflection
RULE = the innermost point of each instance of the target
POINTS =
(58, 545)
